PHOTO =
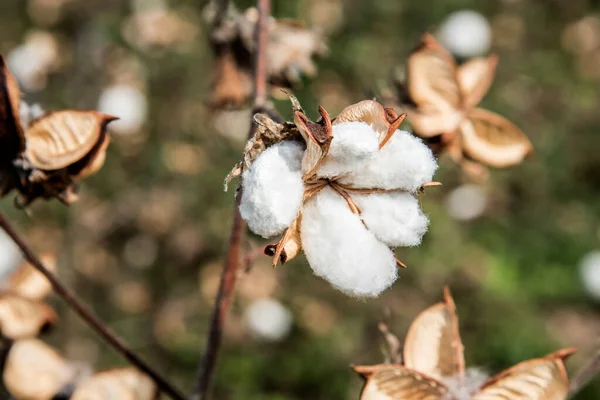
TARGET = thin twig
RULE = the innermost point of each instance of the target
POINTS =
(232, 260)
(87, 315)
(585, 375)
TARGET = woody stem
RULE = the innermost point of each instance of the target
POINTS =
(86, 314)
(232, 260)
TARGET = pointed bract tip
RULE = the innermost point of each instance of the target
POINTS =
(563, 354)
(364, 370)
(448, 298)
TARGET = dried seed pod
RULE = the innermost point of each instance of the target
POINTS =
(434, 368)
(121, 383)
(441, 99)
(23, 318)
(433, 345)
(59, 139)
(35, 371)
(12, 141)
(28, 282)
(539, 379)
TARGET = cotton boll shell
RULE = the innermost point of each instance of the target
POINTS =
(273, 189)
(119, 383)
(34, 371)
(395, 218)
(353, 143)
(466, 202)
(405, 162)
(466, 33)
(589, 272)
(268, 319)
(341, 250)
(128, 103)
(24, 318)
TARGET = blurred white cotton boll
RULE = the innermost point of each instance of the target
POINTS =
(352, 144)
(268, 319)
(466, 202)
(10, 256)
(466, 33)
(405, 162)
(273, 189)
(34, 59)
(126, 102)
(395, 218)
(341, 250)
(589, 271)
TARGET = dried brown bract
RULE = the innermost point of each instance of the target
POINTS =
(46, 155)
(434, 368)
(292, 47)
(23, 313)
(441, 99)
(36, 371)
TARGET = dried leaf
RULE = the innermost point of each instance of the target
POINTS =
(431, 78)
(23, 318)
(538, 379)
(475, 78)
(35, 371)
(493, 140)
(11, 133)
(433, 345)
(28, 282)
(59, 139)
(122, 384)
(394, 382)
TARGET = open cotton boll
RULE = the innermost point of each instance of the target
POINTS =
(395, 218)
(273, 189)
(352, 144)
(405, 162)
(341, 250)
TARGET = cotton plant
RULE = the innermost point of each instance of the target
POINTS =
(342, 190)
(432, 367)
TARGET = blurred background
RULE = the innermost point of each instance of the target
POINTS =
(144, 244)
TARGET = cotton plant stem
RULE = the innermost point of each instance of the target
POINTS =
(585, 375)
(86, 314)
(232, 259)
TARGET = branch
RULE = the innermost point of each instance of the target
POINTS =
(585, 375)
(232, 260)
(92, 320)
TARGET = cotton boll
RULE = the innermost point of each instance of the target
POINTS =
(268, 319)
(10, 256)
(353, 143)
(126, 102)
(589, 272)
(466, 33)
(341, 250)
(405, 162)
(466, 202)
(395, 218)
(273, 189)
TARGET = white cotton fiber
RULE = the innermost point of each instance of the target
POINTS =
(463, 387)
(353, 144)
(395, 218)
(340, 249)
(273, 189)
(405, 162)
